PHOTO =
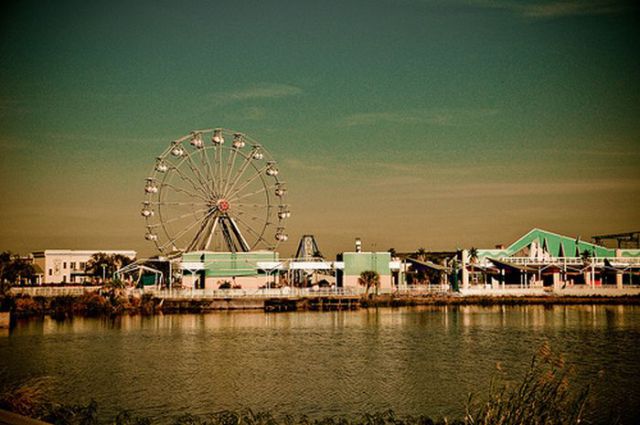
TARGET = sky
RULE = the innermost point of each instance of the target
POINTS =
(407, 123)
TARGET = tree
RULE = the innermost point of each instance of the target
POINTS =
(473, 259)
(19, 270)
(368, 279)
(421, 254)
(14, 269)
(101, 264)
(393, 252)
(5, 260)
(586, 257)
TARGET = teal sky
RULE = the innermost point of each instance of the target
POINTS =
(407, 123)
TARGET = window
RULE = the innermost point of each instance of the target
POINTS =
(64, 265)
(50, 272)
(72, 265)
(81, 266)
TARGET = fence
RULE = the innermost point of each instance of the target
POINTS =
(53, 291)
(286, 292)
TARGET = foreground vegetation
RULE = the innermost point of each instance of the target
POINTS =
(544, 396)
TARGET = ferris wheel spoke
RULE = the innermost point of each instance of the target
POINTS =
(196, 171)
(180, 217)
(230, 163)
(247, 195)
(190, 180)
(207, 166)
(182, 232)
(240, 204)
(252, 230)
(247, 216)
(178, 203)
(217, 154)
(220, 172)
(179, 189)
(258, 173)
(243, 168)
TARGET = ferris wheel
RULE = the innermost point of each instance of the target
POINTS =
(207, 195)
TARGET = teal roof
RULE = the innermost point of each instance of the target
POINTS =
(556, 245)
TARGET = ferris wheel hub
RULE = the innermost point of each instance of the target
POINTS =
(223, 205)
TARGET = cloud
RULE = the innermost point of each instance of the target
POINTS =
(258, 91)
(554, 9)
(529, 189)
(437, 117)
(297, 164)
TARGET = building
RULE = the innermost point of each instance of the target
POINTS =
(264, 269)
(354, 263)
(66, 265)
(216, 270)
(542, 258)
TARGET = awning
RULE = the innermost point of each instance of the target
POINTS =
(430, 265)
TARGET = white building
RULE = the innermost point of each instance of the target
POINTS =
(66, 265)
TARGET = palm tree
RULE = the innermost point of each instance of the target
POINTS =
(586, 260)
(393, 252)
(473, 259)
(369, 278)
(421, 254)
(586, 257)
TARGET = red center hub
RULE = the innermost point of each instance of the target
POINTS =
(223, 205)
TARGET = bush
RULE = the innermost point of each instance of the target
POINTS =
(92, 304)
(26, 306)
(61, 307)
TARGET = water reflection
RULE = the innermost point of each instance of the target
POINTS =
(415, 360)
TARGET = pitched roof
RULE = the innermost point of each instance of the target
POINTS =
(557, 245)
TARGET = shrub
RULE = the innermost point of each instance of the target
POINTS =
(62, 306)
(92, 304)
(27, 306)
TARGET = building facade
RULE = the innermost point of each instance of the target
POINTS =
(67, 266)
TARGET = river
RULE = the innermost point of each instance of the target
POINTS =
(422, 360)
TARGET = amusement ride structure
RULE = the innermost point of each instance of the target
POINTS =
(215, 190)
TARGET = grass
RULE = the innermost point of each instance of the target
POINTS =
(543, 396)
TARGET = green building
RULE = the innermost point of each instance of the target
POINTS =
(246, 270)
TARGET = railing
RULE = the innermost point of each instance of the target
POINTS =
(421, 289)
(571, 261)
(53, 291)
(242, 293)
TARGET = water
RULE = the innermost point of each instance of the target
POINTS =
(413, 360)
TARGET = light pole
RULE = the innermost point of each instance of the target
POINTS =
(104, 266)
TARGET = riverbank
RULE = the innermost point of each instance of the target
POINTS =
(118, 302)
(443, 300)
